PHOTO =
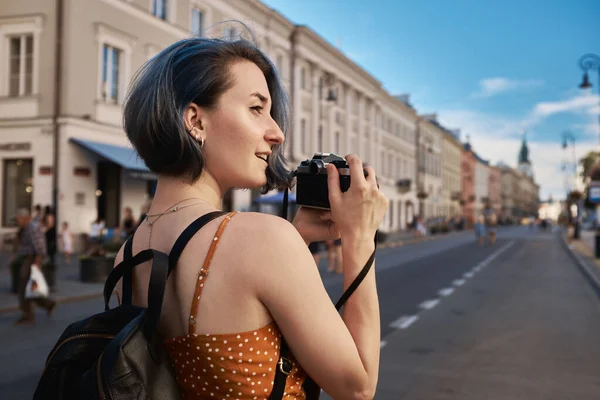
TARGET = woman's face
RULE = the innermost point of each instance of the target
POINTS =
(240, 133)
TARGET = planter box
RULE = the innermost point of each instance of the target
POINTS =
(95, 269)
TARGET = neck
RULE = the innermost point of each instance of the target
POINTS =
(170, 190)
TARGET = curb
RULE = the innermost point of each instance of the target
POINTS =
(59, 300)
(584, 267)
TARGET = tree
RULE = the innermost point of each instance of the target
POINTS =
(588, 162)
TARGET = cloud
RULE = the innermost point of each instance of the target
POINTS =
(582, 103)
(493, 86)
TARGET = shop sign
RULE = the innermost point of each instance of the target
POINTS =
(25, 146)
(81, 171)
(594, 193)
(45, 170)
(149, 176)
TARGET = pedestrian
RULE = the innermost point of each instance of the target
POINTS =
(33, 248)
(315, 250)
(37, 213)
(128, 222)
(66, 238)
(49, 228)
(492, 227)
(480, 229)
(334, 256)
(218, 123)
(96, 235)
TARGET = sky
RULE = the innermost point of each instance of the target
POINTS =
(493, 69)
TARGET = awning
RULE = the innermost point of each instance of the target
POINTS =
(126, 157)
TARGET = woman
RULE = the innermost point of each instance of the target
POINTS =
(207, 116)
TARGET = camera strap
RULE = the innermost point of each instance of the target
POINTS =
(284, 365)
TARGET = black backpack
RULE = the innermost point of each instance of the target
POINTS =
(118, 354)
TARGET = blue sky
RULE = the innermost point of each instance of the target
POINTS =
(491, 68)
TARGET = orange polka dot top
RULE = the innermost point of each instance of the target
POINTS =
(229, 366)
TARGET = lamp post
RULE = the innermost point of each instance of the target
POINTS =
(589, 62)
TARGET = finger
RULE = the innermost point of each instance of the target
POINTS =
(371, 178)
(333, 184)
(357, 173)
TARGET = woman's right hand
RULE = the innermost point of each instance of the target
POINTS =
(358, 212)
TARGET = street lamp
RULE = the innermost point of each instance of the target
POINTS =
(587, 63)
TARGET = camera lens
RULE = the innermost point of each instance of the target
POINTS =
(316, 166)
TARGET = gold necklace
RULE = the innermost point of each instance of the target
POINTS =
(172, 209)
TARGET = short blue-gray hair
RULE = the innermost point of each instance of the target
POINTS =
(195, 70)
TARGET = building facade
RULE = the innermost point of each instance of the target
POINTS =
(451, 179)
(495, 183)
(60, 123)
(467, 177)
(482, 178)
(429, 164)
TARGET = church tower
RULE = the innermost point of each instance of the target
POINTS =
(524, 163)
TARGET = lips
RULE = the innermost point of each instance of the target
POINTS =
(264, 157)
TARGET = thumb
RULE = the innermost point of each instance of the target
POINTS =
(333, 184)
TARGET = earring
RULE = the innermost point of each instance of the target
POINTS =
(201, 141)
(190, 131)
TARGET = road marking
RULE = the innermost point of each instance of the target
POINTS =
(429, 304)
(446, 291)
(458, 282)
(404, 322)
(382, 344)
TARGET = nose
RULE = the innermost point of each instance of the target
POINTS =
(274, 135)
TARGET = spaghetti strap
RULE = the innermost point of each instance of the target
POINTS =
(204, 271)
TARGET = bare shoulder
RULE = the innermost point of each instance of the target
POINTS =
(265, 232)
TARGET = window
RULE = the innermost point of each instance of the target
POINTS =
(230, 33)
(302, 78)
(111, 62)
(197, 22)
(159, 9)
(303, 135)
(17, 189)
(20, 65)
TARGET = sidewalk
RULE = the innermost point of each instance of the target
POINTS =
(68, 286)
(583, 251)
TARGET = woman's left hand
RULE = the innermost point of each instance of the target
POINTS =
(315, 225)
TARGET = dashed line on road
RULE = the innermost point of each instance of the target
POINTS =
(404, 322)
(429, 304)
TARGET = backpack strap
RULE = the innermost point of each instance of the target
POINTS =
(128, 273)
(204, 271)
(125, 268)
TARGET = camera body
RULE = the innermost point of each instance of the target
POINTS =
(311, 180)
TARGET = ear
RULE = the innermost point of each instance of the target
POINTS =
(193, 119)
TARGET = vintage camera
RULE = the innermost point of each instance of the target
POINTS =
(311, 180)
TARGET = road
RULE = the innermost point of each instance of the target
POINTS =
(511, 321)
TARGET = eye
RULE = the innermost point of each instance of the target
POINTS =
(257, 109)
